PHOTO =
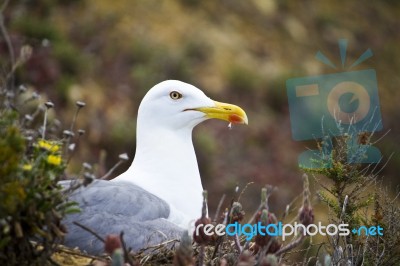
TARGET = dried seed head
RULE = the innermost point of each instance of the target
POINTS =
(28, 117)
(123, 157)
(45, 42)
(204, 207)
(10, 94)
(25, 53)
(364, 138)
(80, 104)
(57, 122)
(202, 238)
(87, 166)
(263, 195)
(49, 105)
(81, 132)
(246, 258)
(270, 260)
(306, 191)
(71, 146)
(35, 95)
(306, 215)
(265, 218)
(184, 253)
(22, 89)
(112, 242)
(88, 178)
(237, 213)
(68, 133)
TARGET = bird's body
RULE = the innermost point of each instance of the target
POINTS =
(115, 207)
(161, 193)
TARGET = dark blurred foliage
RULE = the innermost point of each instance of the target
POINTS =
(109, 53)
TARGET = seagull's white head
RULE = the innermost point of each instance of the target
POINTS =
(175, 105)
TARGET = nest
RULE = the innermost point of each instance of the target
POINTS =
(163, 254)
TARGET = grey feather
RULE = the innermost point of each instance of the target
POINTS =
(111, 207)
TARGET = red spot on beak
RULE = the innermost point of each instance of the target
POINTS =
(235, 119)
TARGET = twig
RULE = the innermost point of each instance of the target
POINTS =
(289, 205)
(291, 245)
(380, 138)
(319, 248)
(76, 115)
(345, 202)
(346, 199)
(107, 175)
(226, 221)
(237, 243)
(244, 189)
(201, 255)
(221, 201)
(79, 105)
(217, 244)
(203, 216)
(78, 253)
(262, 252)
(159, 245)
(306, 204)
(265, 194)
(220, 239)
(90, 231)
(255, 213)
(45, 123)
(73, 151)
(306, 255)
(9, 45)
(125, 250)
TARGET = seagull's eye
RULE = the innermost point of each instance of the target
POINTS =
(175, 95)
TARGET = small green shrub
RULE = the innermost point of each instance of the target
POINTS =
(353, 194)
(31, 203)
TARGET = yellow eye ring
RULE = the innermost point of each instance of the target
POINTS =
(175, 95)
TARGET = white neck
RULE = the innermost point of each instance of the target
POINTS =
(176, 177)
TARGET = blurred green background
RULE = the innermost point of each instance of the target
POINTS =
(109, 53)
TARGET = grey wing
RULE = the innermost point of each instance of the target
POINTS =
(111, 207)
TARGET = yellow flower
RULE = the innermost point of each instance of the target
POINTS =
(50, 146)
(54, 159)
(27, 167)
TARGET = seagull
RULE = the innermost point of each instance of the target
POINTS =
(160, 195)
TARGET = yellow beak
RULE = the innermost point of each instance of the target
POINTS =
(225, 111)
